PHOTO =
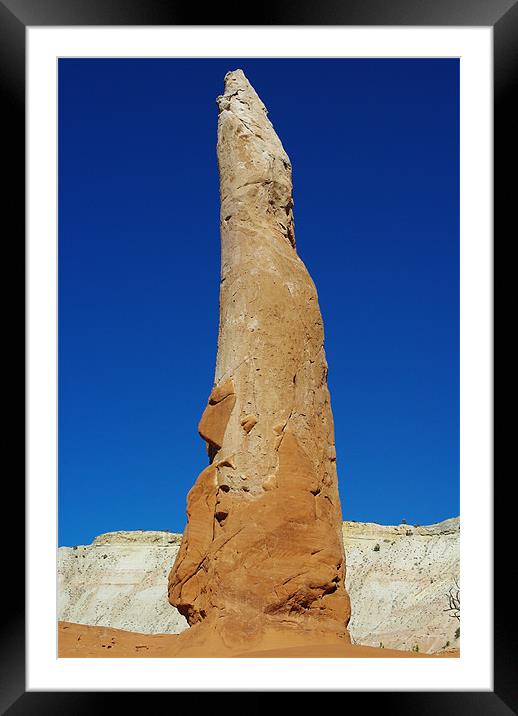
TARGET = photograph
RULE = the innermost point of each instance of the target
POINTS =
(258, 357)
(259, 289)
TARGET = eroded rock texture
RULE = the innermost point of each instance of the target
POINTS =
(263, 545)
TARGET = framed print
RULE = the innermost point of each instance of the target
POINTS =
(386, 115)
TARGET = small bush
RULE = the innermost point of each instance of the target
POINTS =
(457, 633)
(376, 548)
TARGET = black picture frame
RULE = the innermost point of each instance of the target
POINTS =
(15, 16)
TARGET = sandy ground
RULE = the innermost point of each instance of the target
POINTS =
(78, 640)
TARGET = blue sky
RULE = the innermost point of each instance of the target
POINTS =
(375, 151)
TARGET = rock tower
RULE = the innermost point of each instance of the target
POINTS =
(263, 548)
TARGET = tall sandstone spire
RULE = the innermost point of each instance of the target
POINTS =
(263, 548)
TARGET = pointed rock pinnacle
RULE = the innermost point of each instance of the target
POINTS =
(263, 549)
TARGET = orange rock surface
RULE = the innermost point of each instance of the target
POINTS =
(81, 641)
(263, 550)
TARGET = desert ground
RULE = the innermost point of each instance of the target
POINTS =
(81, 641)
